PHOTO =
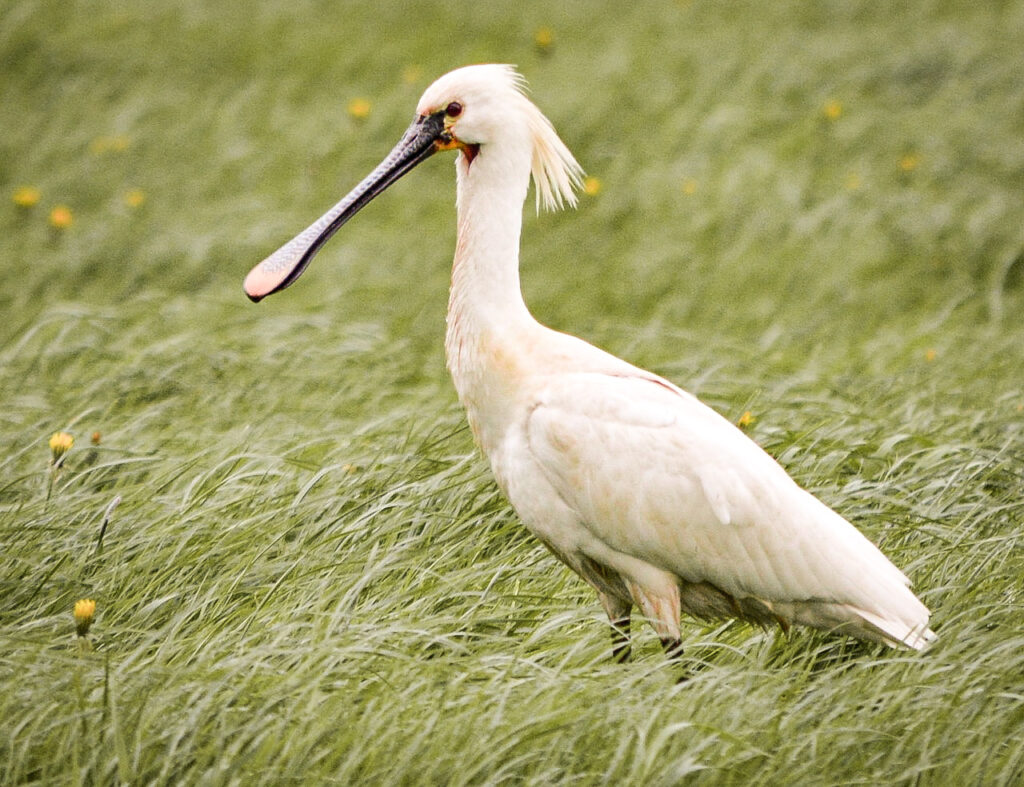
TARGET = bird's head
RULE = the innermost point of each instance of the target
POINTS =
(467, 110)
(475, 105)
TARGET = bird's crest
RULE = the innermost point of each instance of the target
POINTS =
(556, 173)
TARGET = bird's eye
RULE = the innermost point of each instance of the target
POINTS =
(453, 110)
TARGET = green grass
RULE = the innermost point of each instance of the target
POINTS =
(311, 577)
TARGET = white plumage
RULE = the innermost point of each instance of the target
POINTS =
(652, 497)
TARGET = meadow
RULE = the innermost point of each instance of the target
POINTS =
(812, 214)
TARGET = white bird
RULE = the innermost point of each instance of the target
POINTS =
(649, 495)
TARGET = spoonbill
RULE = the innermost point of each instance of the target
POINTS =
(649, 495)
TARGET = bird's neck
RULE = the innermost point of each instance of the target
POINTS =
(486, 312)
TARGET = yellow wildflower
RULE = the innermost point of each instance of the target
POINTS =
(832, 110)
(929, 355)
(26, 196)
(591, 186)
(115, 144)
(909, 162)
(359, 108)
(689, 187)
(84, 610)
(412, 74)
(746, 419)
(96, 437)
(61, 218)
(544, 38)
(134, 198)
(60, 444)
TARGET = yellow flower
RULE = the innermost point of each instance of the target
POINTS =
(746, 419)
(929, 355)
(96, 437)
(116, 144)
(832, 110)
(411, 74)
(134, 198)
(852, 181)
(591, 186)
(544, 38)
(359, 108)
(61, 218)
(84, 610)
(60, 444)
(909, 162)
(689, 187)
(26, 196)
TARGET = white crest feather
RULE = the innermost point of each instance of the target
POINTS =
(556, 173)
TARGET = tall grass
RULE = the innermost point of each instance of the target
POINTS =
(811, 212)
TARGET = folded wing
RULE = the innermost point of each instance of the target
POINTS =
(655, 474)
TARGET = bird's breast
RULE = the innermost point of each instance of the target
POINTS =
(493, 373)
(492, 390)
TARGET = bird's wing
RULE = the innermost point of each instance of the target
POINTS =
(655, 474)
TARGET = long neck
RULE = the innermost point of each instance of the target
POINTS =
(485, 305)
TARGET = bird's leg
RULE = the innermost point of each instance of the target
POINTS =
(674, 651)
(673, 648)
(621, 651)
(618, 612)
(663, 610)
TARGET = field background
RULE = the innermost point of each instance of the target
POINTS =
(810, 211)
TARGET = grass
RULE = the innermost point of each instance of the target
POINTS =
(811, 212)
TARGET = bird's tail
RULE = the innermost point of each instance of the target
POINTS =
(896, 632)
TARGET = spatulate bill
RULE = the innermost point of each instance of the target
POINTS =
(422, 139)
